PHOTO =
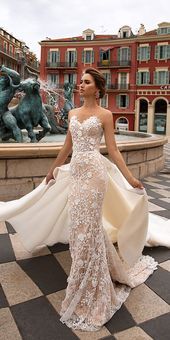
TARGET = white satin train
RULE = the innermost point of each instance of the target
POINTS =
(41, 216)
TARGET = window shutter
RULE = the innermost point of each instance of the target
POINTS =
(138, 78)
(92, 56)
(83, 56)
(101, 55)
(127, 101)
(148, 52)
(139, 53)
(118, 54)
(58, 56)
(155, 77)
(157, 52)
(129, 53)
(167, 77)
(66, 56)
(148, 77)
(75, 56)
(118, 100)
(48, 56)
(168, 51)
(109, 78)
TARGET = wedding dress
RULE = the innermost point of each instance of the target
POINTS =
(91, 205)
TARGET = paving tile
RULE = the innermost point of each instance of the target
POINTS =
(158, 328)
(64, 258)
(144, 304)
(8, 327)
(109, 337)
(103, 333)
(10, 229)
(153, 207)
(6, 251)
(160, 283)
(135, 333)
(121, 320)
(46, 272)
(164, 193)
(3, 300)
(160, 254)
(58, 247)
(165, 265)
(56, 299)
(37, 319)
(3, 229)
(163, 213)
(160, 203)
(17, 286)
(21, 253)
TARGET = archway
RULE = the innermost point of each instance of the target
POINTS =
(143, 115)
(160, 116)
(122, 123)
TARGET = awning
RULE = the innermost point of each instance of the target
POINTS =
(105, 48)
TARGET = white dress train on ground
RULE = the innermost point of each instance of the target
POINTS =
(90, 205)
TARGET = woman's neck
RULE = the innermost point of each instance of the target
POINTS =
(90, 103)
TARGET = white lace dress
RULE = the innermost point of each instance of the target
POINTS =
(99, 281)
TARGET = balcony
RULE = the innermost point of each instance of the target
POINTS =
(113, 64)
(8, 53)
(117, 86)
(61, 65)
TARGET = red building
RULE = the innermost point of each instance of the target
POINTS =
(117, 56)
(16, 55)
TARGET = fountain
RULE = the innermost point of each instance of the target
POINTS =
(23, 165)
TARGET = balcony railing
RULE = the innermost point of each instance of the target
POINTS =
(62, 64)
(61, 86)
(117, 86)
(11, 54)
(115, 63)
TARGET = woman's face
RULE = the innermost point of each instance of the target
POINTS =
(87, 87)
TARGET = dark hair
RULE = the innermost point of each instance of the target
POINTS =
(99, 80)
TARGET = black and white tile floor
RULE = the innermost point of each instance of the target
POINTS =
(32, 287)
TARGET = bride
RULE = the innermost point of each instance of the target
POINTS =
(91, 203)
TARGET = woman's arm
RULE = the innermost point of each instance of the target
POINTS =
(62, 155)
(114, 152)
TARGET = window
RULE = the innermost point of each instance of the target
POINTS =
(164, 30)
(88, 56)
(107, 76)
(122, 80)
(104, 55)
(5, 46)
(70, 78)
(53, 57)
(122, 100)
(162, 52)
(143, 53)
(142, 78)
(104, 101)
(71, 57)
(124, 55)
(53, 79)
(161, 77)
(88, 37)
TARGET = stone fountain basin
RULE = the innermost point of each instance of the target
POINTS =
(24, 165)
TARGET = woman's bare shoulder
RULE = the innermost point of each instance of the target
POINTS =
(73, 112)
(106, 114)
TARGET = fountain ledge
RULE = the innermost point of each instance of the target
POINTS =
(23, 166)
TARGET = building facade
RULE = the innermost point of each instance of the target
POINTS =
(136, 68)
(16, 55)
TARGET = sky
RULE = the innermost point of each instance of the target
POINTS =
(35, 20)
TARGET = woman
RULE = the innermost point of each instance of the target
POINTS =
(92, 296)
(83, 203)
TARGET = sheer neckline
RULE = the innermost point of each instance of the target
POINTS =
(86, 119)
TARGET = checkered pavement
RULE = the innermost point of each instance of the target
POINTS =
(32, 286)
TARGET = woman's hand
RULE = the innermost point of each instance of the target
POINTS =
(135, 183)
(49, 177)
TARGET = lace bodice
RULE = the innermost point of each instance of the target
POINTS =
(86, 135)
